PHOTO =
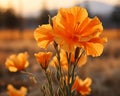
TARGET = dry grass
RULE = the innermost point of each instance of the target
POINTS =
(16, 34)
(112, 34)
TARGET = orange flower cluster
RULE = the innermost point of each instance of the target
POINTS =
(17, 62)
(75, 36)
(15, 92)
(72, 28)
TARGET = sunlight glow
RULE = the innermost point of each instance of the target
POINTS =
(30, 7)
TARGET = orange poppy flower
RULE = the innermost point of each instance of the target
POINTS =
(15, 92)
(43, 35)
(82, 87)
(73, 28)
(43, 58)
(17, 62)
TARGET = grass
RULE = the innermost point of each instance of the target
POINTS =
(16, 34)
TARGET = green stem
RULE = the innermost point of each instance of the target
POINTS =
(59, 70)
(50, 83)
(58, 57)
(74, 66)
(69, 74)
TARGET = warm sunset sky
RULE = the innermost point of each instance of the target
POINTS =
(30, 7)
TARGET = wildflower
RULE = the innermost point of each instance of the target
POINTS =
(73, 28)
(82, 87)
(15, 92)
(43, 35)
(43, 58)
(17, 62)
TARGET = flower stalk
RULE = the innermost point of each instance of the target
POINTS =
(49, 79)
(59, 70)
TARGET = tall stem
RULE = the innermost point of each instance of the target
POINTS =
(69, 74)
(59, 69)
(50, 83)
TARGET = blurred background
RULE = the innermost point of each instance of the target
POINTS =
(18, 20)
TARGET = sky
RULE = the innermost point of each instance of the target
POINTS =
(31, 7)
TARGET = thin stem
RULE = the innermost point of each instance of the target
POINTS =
(69, 65)
(50, 83)
(59, 69)
(73, 73)
(58, 57)
(69, 74)
(83, 52)
(33, 77)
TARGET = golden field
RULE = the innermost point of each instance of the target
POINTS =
(28, 34)
(104, 70)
